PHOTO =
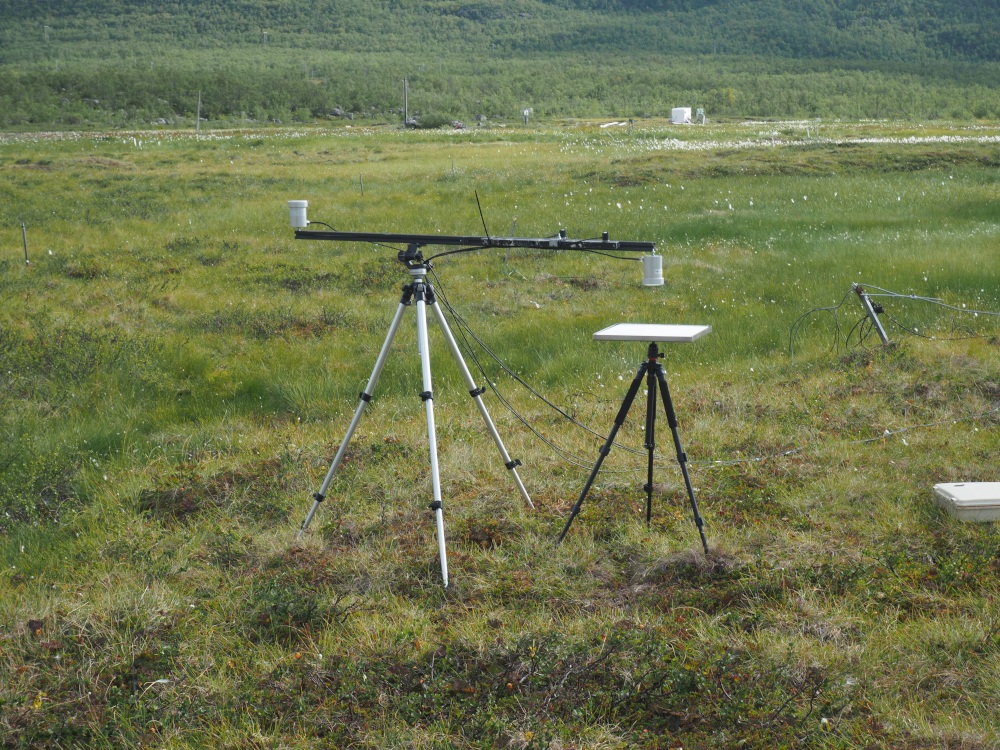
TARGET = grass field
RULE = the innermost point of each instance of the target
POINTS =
(176, 373)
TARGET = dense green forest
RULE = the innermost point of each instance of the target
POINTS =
(898, 30)
(132, 63)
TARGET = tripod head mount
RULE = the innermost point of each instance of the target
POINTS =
(412, 258)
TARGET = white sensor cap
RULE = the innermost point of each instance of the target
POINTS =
(297, 213)
(652, 270)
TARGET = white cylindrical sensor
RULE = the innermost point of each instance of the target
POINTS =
(297, 213)
(652, 270)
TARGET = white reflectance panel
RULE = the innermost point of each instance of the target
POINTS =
(651, 332)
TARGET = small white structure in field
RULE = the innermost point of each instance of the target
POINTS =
(680, 115)
(970, 501)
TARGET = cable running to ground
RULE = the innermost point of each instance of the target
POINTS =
(466, 332)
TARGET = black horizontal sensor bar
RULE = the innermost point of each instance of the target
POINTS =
(559, 242)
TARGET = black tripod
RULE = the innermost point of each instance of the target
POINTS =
(655, 377)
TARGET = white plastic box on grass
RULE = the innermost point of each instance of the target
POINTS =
(970, 501)
(680, 115)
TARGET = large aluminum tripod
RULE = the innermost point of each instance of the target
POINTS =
(420, 292)
(652, 371)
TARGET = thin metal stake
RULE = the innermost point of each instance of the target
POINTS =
(872, 311)
(24, 238)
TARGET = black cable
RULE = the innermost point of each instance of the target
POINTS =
(463, 329)
(465, 332)
(859, 326)
(865, 326)
(388, 247)
(518, 379)
(456, 252)
(864, 330)
(833, 312)
(910, 331)
(915, 332)
(554, 249)
(608, 255)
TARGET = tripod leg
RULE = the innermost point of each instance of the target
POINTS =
(366, 396)
(476, 394)
(606, 448)
(428, 398)
(681, 456)
(650, 440)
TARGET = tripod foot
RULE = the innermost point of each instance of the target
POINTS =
(317, 499)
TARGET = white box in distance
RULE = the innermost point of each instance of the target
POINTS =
(970, 501)
(680, 115)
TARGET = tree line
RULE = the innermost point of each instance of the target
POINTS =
(99, 63)
(891, 30)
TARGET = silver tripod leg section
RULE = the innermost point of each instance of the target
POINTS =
(476, 393)
(428, 398)
(366, 396)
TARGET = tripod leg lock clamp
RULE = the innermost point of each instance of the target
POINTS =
(647, 488)
(478, 391)
(319, 497)
(513, 464)
(605, 450)
(435, 506)
(426, 396)
(364, 397)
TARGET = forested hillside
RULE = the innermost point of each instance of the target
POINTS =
(897, 30)
(126, 62)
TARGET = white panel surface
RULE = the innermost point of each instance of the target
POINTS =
(652, 332)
